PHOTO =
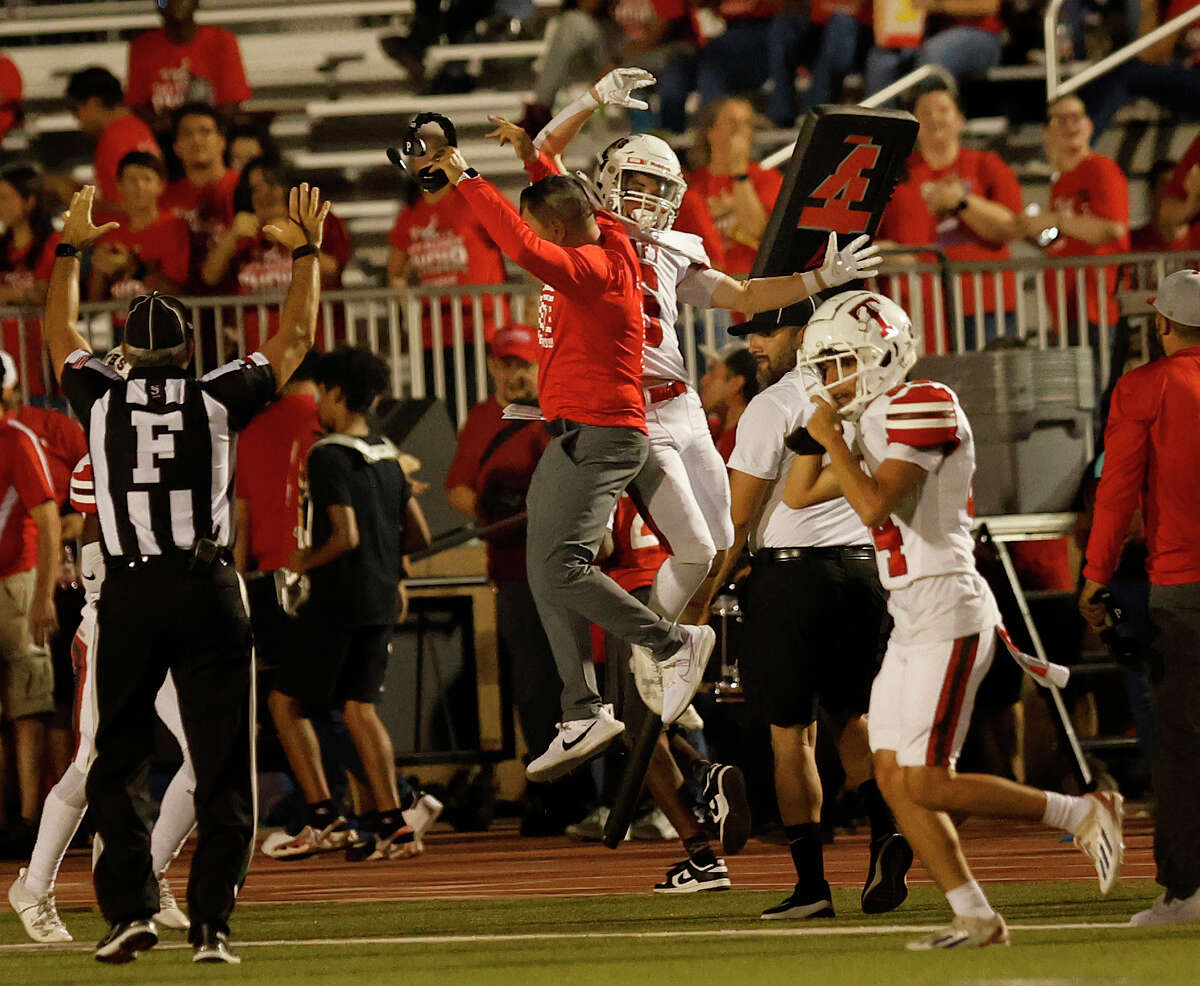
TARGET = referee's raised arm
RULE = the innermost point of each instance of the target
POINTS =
(302, 234)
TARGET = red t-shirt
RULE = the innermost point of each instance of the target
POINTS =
(501, 481)
(10, 94)
(24, 484)
(163, 246)
(60, 440)
(124, 134)
(208, 210)
(1095, 187)
(1150, 458)
(271, 452)
(739, 256)
(639, 18)
(637, 553)
(748, 10)
(1145, 239)
(908, 219)
(1190, 157)
(21, 271)
(590, 319)
(447, 246)
(208, 69)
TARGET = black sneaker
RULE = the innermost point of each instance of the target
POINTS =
(688, 877)
(725, 793)
(125, 940)
(211, 945)
(887, 877)
(803, 904)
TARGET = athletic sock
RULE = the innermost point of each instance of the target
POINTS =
(1065, 811)
(176, 818)
(321, 813)
(699, 851)
(883, 823)
(968, 901)
(804, 842)
(59, 822)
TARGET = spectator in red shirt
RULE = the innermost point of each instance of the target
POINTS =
(1158, 235)
(11, 90)
(204, 195)
(1150, 458)
(964, 201)
(590, 331)
(150, 249)
(1180, 202)
(1089, 209)
(26, 256)
(29, 553)
(739, 194)
(95, 97)
(728, 385)
(962, 36)
(184, 62)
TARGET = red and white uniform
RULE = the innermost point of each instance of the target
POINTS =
(945, 615)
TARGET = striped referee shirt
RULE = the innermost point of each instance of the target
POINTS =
(163, 448)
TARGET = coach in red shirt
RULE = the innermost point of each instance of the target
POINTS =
(590, 335)
(1150, 460)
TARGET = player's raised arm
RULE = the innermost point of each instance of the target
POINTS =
(617, 88)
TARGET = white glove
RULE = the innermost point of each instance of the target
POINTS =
(858, 258)
(616, 88)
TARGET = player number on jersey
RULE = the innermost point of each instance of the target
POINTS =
(887, 538)
(654, 328)
(155, 440)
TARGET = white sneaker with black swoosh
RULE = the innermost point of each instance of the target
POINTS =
(688, 876)
(577, 741)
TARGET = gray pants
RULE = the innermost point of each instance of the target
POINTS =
(573, 492)
(1174, 664)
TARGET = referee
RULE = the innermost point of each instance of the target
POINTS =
(162, 446)
(815, 611)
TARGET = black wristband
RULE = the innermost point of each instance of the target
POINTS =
(802, 443)
(66, 250)
(308, 250)
(742, 177)
(960, 207)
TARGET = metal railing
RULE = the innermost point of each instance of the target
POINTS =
(1056, 86)
(435, 342)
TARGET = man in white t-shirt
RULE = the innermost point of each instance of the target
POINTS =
(816, 612)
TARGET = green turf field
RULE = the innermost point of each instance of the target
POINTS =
(697, 939)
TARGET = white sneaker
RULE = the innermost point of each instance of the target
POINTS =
(170, 914)
(683, 671)
(38, 913)
(971, 932)
(590, 829)
(647, 677)
(1099, 838)
(689, 720)
(1177, 910)
(577, 741)
(422, 814)
(654, 827)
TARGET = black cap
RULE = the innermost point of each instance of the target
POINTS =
(775, 318)
(156, 321)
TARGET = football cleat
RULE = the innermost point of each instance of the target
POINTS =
(125, 940)
(1099, 837)
(310, 841)
(683, 671)
(967, 932)
(213, 946)
(170, 914)
(38, 912)
(802, 904)
(688, 877)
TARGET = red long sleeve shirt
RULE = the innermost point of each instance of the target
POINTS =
(1150, 457)
(590, 320)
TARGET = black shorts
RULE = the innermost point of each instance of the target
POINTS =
(271, 625)
(329, 664)
(815, 630)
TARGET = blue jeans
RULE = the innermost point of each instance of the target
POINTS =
(674, 68)
(835, 60)
(1172, 86)
(962, 51)
(734, 61)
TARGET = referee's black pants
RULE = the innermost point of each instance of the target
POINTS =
(153, 617)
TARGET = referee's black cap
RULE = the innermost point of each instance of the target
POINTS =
(156, 321)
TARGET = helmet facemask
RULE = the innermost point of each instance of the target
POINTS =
(873, 370)
(649, 209)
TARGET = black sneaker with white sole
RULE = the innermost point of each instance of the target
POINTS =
(803, 903)
(125, 940)
(887, 876)
(725, 794)
(687, 877)
(211, 945)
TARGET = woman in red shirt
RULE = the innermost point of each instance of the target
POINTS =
(26, 256)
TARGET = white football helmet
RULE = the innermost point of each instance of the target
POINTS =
(641, 154)
(868, 337)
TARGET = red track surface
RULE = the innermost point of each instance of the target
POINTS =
(501, 864)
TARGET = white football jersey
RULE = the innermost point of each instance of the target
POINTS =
(670, 262)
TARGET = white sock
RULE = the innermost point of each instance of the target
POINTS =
(1064, 811)
(968, 901)
(176, 818)
(674, 585)
(60, 819)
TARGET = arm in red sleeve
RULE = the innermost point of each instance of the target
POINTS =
(563, 268)
(1126, 452)
(30, 477)
(544, 166)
